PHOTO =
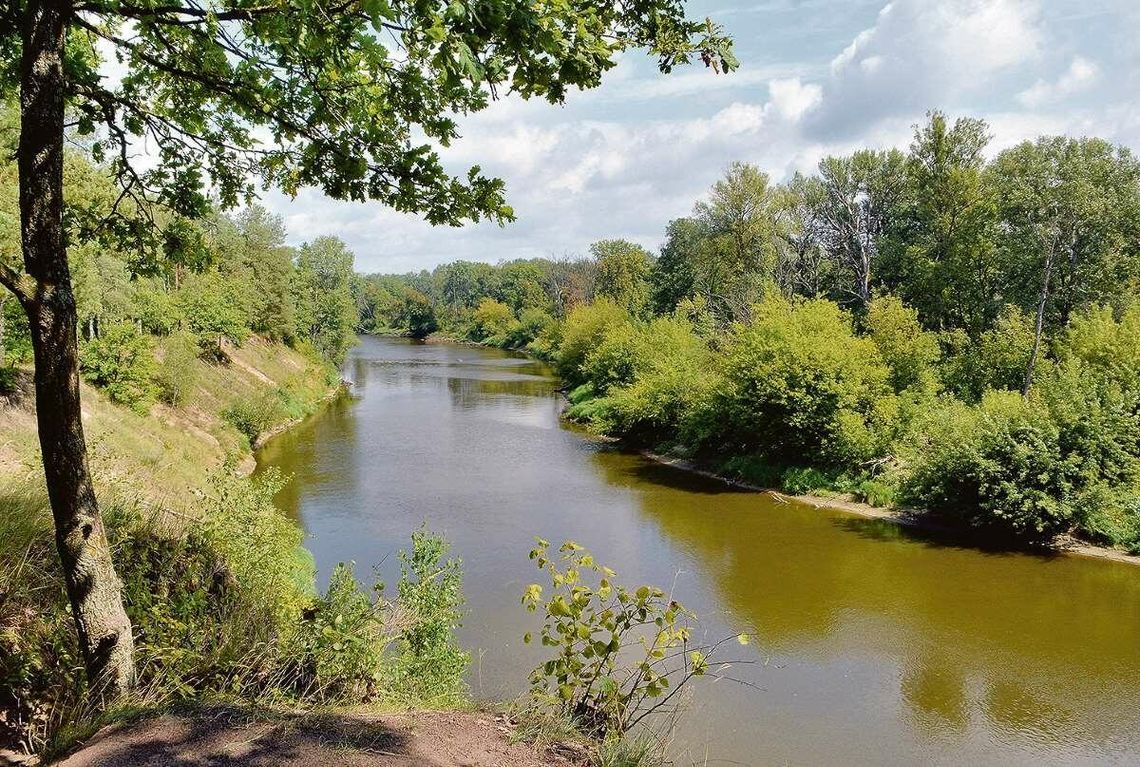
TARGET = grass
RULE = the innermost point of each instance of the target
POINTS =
(178, 446)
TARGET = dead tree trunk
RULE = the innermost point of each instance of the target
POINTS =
(93, 587)
(1039, 325)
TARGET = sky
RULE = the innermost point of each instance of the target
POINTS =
(817, 77)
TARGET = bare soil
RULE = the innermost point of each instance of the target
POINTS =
(228, 737)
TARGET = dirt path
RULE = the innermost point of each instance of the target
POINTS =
(233, 738)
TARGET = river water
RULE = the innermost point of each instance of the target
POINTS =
(873, 645)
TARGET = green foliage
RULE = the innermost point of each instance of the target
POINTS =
(1000, 466)
(428, 666)
(908, 351)
(177, 372)
(340, 648)
(492, 320)
(121, 362)
(797, 382)
(416, 315)
(802, 481)
(212, 307)
(584, 329)
(533, 326)
(254, 417)
(620, 653)
(623, 274)
(670, 375)
(996, 360)
(224, 606)
(325, 310)
(1109, 348)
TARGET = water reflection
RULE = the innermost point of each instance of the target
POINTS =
(1023, 641)
(875, 644)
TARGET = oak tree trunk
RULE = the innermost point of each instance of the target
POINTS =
(93, 587)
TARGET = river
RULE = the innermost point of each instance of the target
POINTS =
(874, 645)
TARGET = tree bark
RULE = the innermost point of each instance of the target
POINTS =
(1039, 326)
(93, 587)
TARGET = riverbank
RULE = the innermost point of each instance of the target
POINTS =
(355, 737)
(180, 446)
(1066, 544)
(902, 517)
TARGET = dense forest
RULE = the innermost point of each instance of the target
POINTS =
(938, 329)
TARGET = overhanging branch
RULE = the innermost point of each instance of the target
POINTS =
(14, 281)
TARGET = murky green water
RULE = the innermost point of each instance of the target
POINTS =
(874, 646)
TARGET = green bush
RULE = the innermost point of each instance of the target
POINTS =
(877, 492)
(996, 360)
(802, 481)
(256, 416)
(909, 352)
(491, 320)
(121, 363)
(614, 360)
(619, 652)
(532, 324)
(1108, 348)
(339, 651)
(9, 379)
(998, 466)
(753, 470)
(428, 666)
(177, 373)
(224, 607)
(797, 382)
(584, 329)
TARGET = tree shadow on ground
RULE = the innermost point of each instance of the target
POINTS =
(232, 736)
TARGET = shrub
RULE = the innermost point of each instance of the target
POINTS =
(795, 383)
(620, 653)
(9, 379)
(177, 373)
(997, 360)
(121, 362)
(754, 470)
(532, 324)
(998, 466)
(584, 329)
(491, 320)
(254, 417)
(909, 352)
(614, 359)
(213, 311)
(877, 492)
(801, 481)
(225, 607)
(428, 668)
(339, 650)
(1108, 348)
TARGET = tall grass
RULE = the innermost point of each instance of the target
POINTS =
(223, 606)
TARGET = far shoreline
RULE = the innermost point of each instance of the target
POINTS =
(893, 515)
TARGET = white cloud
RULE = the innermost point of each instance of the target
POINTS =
(920, 54)
(1080, 76)
(791, 98)
(623, 160)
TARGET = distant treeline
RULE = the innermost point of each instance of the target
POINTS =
(928, 328)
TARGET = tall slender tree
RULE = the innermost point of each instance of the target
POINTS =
(347, 96)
